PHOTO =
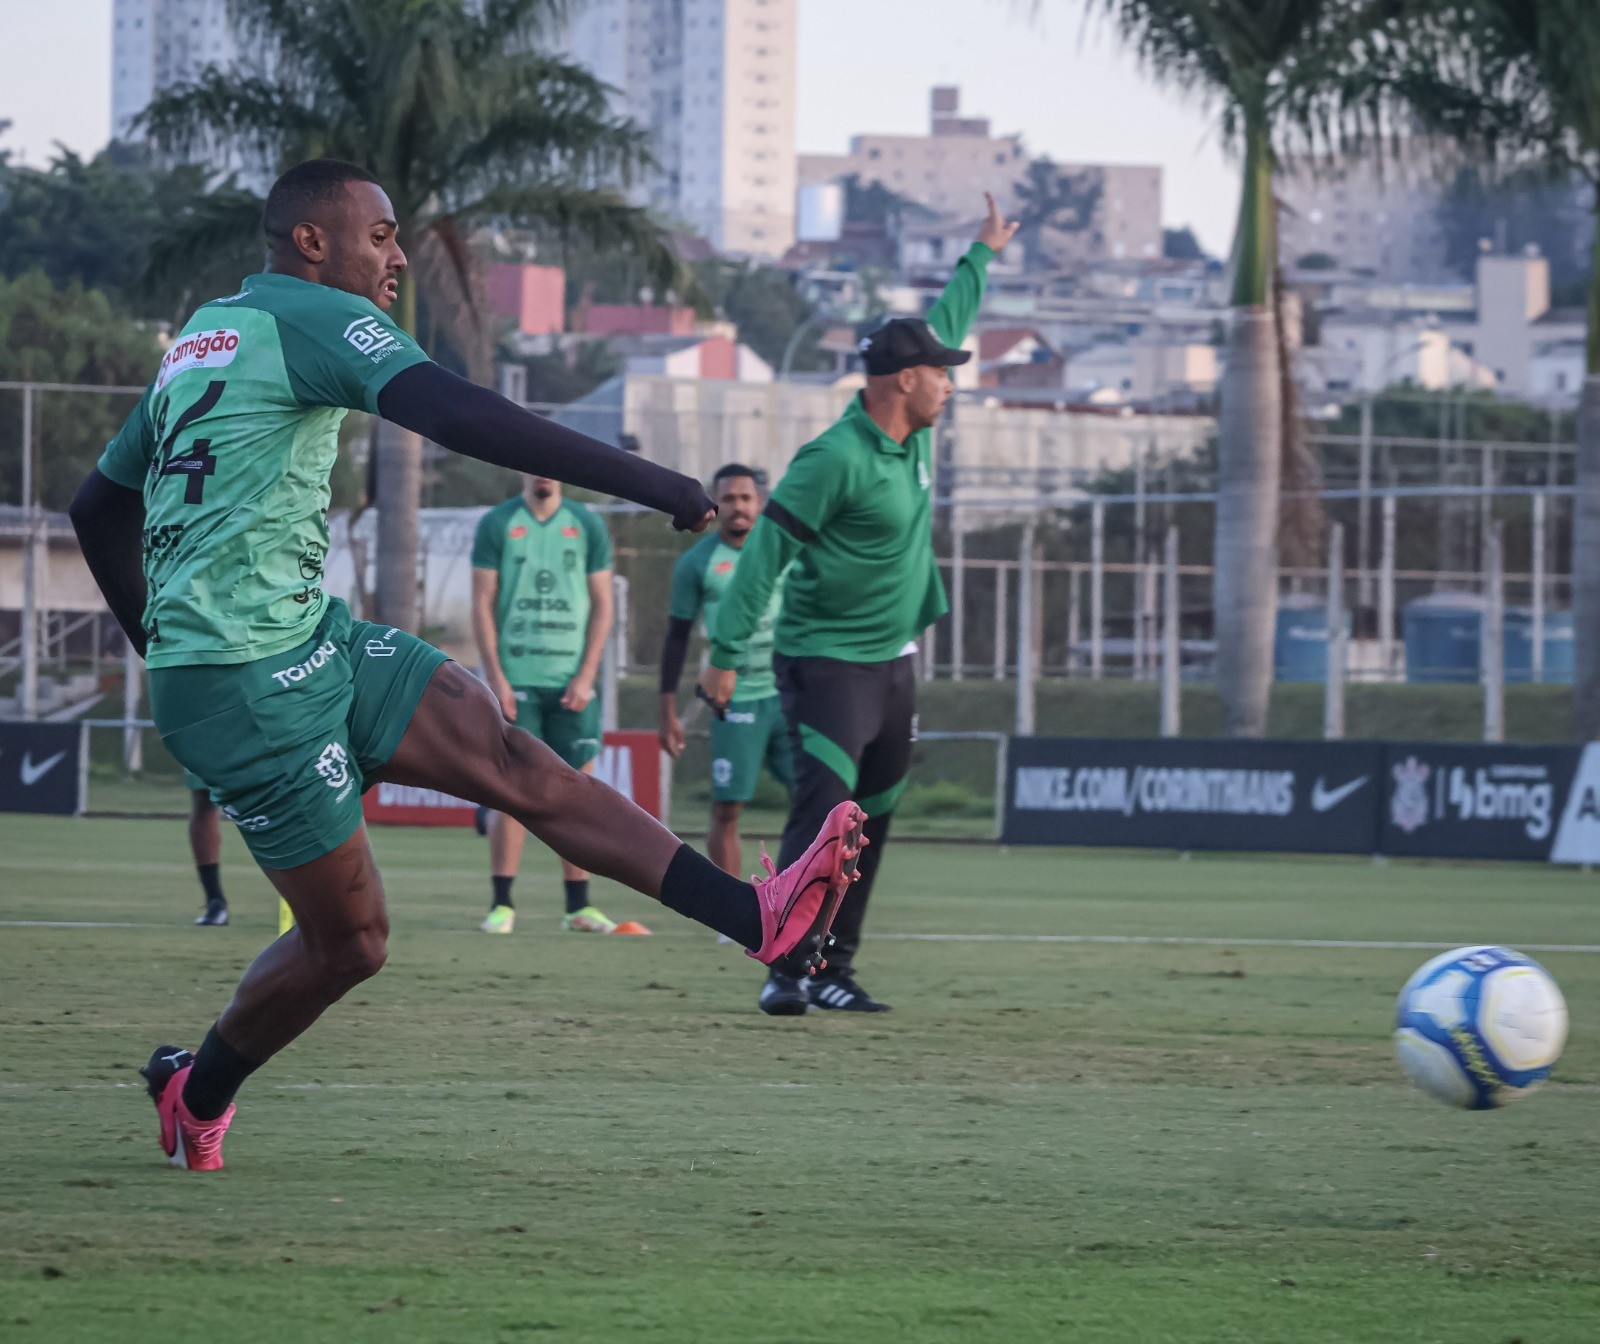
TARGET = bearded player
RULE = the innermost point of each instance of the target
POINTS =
(204, 525)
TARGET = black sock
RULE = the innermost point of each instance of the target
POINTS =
(211, 881)
(219, 1072)
(696, 887)
(577, 895)
(502, 891)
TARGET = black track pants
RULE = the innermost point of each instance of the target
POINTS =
(851, 728)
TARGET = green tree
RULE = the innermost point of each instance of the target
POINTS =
(464, 114)
(1525, 207)
(761, 301)
(1282, 73)
(65, 334)
(1056, 211)
(874, 203)
(1521, 80)
(97, 222)
(1181, 245)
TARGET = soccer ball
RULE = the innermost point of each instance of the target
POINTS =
(1480, 1026)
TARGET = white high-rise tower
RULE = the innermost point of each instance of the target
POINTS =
(158, 43)
(713, 81)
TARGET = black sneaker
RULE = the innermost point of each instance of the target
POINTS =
(783, 995)
(215, 914)
(840, 991)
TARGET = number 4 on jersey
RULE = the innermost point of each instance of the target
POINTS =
(199, 461)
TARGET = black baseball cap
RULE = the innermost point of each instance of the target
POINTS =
(904, 343)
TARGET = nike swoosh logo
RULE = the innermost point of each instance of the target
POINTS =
(1325, 799)
(32, 774)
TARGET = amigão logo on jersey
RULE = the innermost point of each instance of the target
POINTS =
(198, 350)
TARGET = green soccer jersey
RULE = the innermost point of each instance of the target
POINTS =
(542, 610)
(699, 581)
(232, 446)
(852, 523)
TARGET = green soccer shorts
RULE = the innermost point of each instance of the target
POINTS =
(285, 744)
(572, 735)
(753, 731)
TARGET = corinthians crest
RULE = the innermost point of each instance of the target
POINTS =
(1408, 806)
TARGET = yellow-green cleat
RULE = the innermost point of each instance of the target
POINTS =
(501, 919)
(588, 920)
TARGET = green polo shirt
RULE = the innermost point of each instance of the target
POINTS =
(854, 515)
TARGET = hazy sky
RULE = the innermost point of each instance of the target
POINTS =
(865, 65)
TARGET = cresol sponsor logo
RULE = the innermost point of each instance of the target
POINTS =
(300, 671)
(198, 350)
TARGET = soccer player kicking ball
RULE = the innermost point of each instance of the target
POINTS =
(852, 524)
(541, 611)
(266, 689)
(751, 730)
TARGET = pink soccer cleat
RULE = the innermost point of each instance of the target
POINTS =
(798, 904)
(190, 1143)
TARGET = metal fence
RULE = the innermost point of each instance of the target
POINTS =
(1072, 546)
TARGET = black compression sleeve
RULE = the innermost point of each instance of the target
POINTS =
(674, 650)
(476, 422)
(109, 521)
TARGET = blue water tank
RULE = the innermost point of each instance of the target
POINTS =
(1443, 633)
(1300, 641)
(1557, 645)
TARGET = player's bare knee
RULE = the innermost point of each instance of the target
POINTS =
(358, 955)
(533, 780)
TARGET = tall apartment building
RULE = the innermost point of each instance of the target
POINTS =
(158, 43)
(950, 168)
(713, 81)
(1366, 219)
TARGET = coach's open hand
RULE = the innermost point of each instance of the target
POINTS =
(718, 684)
(996, 232)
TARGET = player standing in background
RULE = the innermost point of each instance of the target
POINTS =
(205, 527)
(852, 524)
(751, 731)
(205, 841)
(541, 612)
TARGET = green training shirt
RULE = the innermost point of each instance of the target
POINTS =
(700, 580)
(542, 610)
(232, 446)
(857, 527)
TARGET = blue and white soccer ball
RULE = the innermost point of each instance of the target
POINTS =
(1480, 1026)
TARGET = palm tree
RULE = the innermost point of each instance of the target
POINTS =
(1521, 80)
(462, 112)
(1284, 73)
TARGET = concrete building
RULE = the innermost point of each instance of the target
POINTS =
(158, 43)
(1510, 341)
(713, 81)
(1141, 371)
(950, 168)
(1368, 219)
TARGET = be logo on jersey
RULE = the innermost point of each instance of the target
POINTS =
(198, 350)
(371, 338)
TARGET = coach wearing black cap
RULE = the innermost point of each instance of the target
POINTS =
(853, 517)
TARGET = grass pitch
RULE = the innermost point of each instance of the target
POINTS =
(551, 1136)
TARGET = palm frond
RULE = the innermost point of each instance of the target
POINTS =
(604, 221)
(219, 110)
(225, 220)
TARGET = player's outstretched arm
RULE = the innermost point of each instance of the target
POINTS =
(109, 521)
(476, 422)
